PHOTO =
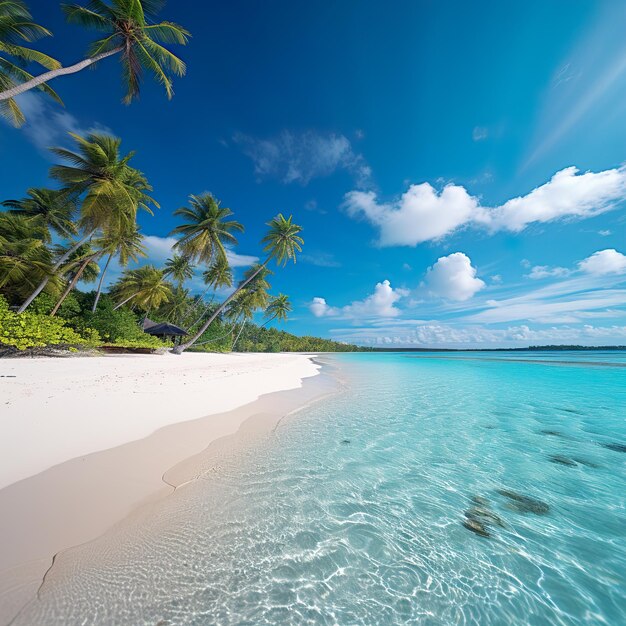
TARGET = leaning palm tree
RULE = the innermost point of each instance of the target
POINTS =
(206, 231)
(282, 243)
(111, 190)
(126, 244)
(278, 308)
(180, 268)
(129, 30)
(54, 208)
(144, 287)
(81, 266)
(16, 28)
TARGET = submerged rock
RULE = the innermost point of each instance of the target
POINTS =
(484, 515)
(480, 500)
(524, 504)
(553, 433)
(476, 527)
(562, 460)
(616, 447)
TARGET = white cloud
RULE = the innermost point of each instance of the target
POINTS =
(544, 271)
(604, 233)
(301, 157)
(320, 308)
(424, 214)
(604, 262)
(320, 259)
(381, 303)
(479, 133)
(452, 277)
(48, 125)
(441, 335)
(421, 214)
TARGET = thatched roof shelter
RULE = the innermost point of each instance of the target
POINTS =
(162, 329)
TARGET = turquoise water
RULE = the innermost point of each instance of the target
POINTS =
(439, 489)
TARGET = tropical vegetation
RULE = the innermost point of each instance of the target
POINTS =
(55, 242)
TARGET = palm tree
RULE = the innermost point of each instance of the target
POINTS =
(129, 30)
(54, 208)
(177, 306)
(278, 308)
(180, 268)
(207, 230)
(253, 297)
(145, 286)
(17, 27)
(83, 267)
(25, 259)
(219, 275)
(111, 190)
(126, 244)
(282, 243)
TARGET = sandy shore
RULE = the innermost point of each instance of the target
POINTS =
(85, 441)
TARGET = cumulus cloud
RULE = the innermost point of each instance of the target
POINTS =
(539, 272)
(301, 157)
(604, 262)
(452, 277)
(381, 303)
(424, 214)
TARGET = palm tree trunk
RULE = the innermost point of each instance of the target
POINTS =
(48, 76)
(237, 337)
(55, 268)
(206, 308)
(99, 290)
(182, 347)
(123, 302)
(271, 319)
(72, 284)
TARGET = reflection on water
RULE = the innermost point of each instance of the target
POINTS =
(435, 491)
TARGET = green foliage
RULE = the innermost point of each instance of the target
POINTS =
(34, 330)
(259, 339)
(120, 328)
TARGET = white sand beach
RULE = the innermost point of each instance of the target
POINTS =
(85, 441)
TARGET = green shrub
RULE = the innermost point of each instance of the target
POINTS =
(118, 328)
(32, 330)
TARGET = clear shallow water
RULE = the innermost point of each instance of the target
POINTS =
(352, 511)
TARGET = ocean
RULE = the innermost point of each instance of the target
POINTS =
(437, 488)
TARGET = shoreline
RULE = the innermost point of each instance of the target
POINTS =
(79, 499)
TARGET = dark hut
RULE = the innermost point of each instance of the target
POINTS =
(163, 330)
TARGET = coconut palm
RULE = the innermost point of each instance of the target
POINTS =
(278, 308)
(55, 209)
(126, 244)
(253, 297)
(219, 275)
(282, 243)
(111, 190)
(81, 266)
(180, 268)
(144, 287)
(177, 306)
(24, 257)
(129, 30)
(16, 28)
(206, 230)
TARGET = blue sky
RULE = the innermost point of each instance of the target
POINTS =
(458, 168)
